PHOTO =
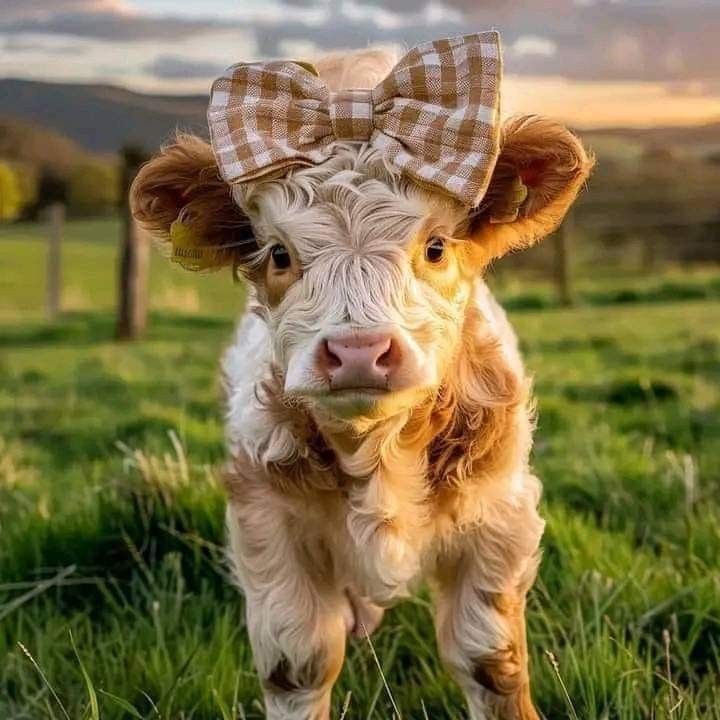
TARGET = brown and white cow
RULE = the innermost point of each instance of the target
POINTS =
(379, 417)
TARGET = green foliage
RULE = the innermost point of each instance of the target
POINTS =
(10, 193)
(27, 184)
(52, 168)
(94, 188)
(24, 142)
(111, 517)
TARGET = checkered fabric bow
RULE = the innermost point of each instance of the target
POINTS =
(435, 116)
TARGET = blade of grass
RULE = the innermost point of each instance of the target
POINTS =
(92, 695)
(44, 679)
(556, 667)
(382, 674)
(346, 705)
(120, 702)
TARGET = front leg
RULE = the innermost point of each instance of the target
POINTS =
(296, 619)
(484, 647)
(480, 617)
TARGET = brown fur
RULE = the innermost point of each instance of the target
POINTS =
(314, 465)
(182, 182)
(504, 673)
(474, 423)
(313, 674)
(560, 165)
(501, 672)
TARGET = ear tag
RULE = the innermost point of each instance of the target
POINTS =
(188, 250)
(508, 209)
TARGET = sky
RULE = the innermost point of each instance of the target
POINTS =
(592, 63)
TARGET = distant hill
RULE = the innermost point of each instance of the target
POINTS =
(102, 118)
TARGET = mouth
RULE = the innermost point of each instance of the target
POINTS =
(358, 402)
(358, 390)
(360, 395)
(337, 397)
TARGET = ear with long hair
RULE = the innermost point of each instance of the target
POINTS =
(540, 171)
(181, 189)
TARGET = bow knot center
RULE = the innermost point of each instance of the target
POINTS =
(351, 114)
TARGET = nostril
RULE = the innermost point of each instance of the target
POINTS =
(332, 361)
(386, 359)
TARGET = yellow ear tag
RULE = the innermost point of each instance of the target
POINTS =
(508, 209)
(188, 250)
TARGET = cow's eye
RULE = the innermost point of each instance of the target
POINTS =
(280, 257)
(435, 250)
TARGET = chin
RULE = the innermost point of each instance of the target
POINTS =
(360, 405)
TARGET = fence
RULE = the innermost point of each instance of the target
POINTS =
(134, 264)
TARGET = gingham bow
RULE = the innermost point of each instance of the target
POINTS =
(435, 116)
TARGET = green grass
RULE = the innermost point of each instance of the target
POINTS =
(111, 569)
(89, 272)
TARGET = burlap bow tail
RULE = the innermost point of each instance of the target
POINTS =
(435, 116)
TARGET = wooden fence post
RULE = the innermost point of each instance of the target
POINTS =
(134, 258)
(562, 240)
(56, 222)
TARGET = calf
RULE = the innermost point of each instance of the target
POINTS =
(379, 417)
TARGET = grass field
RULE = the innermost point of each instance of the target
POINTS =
(114, 600)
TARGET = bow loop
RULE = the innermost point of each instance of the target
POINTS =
(435, 117)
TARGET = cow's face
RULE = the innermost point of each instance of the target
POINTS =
(364, 279)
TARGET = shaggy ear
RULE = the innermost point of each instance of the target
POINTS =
(182, 184)
(541, 168)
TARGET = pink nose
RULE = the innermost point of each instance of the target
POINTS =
(363, 360)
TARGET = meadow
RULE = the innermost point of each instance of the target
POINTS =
(114, 595)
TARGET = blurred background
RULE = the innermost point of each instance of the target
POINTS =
(110, 412)
(85, 82)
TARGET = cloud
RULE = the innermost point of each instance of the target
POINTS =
(173, 67)
(42, 45)
(113, 26)
(533, 45)
(709, 88)
(588, 40)
(353, 24)
(602, 40)
(339, 24)
(596, 40)
(27, 9)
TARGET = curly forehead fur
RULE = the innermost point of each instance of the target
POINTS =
(354, 200)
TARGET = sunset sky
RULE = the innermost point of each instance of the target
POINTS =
(589, 62)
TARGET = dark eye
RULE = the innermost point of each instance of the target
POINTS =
(435, 250)
(280, 257)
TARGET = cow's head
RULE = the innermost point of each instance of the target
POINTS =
(364, 278)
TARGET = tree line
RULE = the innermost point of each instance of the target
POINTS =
(39, 167)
